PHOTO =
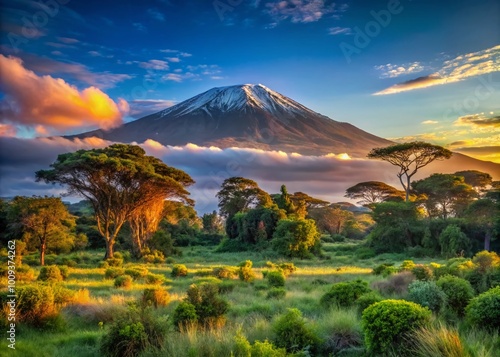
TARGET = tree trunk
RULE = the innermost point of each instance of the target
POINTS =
(109, 249)
(42, 254)
(487, 240)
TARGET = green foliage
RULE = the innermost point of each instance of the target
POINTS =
(155, 279)
(407, 265)
(112, 273)
(225, 272)
(179, 270)
(209, 306)
(276, 293)
(50, 273)
(136, 272)
(395, 284)
(298, 238)
(245, 272)
(458, 292)
(62, 295)
(184, 315)
(486, 260)
(153, 256)
(276, 279)
(422, 272)
(385, 269)
(132, 333)
(35, 305)
(115, 262)
(439, 341)
(484, 310)
(287, 268)
(163, 242)
(155, 297)
(427, 294)
(266, 349)
(345, 294)
(123, 281)
(292, 333)
(454, 242)
(386, 323)
(367, 299)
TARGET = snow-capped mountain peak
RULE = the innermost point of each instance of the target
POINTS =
(239, 97)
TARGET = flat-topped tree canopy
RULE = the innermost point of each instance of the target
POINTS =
(410, 157)
(118, 181)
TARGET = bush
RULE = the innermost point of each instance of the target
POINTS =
(297, 238)
(50, 273)
(115, 262)
(385, 269)
(155, 279)
(103, 264)
(179, 270)
(266, 349)
(153, 257)
(24, 273)
(184, 315)
(368, 299)
(123, 281)
(245, 272)
(454, 242)
(136, 272)
(484, 310)
(395, 284)
(458, 292)
(275, 279)
(132, 333)
(287, 268)
(64, 269)
(226, 287)
(62, 295)
(386, 323)
(345, 294)
(156, 297)
(422, 272)
(486, 260)
(292, 333)
(35, 305)
(112, 273)
(427, 294)
(407, 265)
(225, 272)
(276, 293)
(210, 307)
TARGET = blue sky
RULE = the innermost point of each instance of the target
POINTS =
(404, 70)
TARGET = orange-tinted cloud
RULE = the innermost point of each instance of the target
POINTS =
(50, 104)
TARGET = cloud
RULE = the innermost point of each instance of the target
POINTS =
(339, 31)
(155, 14)
(141, 108)
(393, 70)
(7, 130)
(67, 40)
(429, 122)
(51, 104)
(140, 27)
(298, 11)
(454, 70)
(177, 52)
(486, 153)
(158, 65)
(479, 120)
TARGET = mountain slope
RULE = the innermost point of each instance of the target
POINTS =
(251, 116)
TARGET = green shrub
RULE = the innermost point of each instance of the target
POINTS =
(427, 294)
(50, 273)
(209, 305)
(486, 260)
(422, 272)
(368, 299)
(385, 269)
(179, 270)
(112, 273)
(245, 272)
(184, 315)
(155, 279)
(395, 284)
(458, 292)
(136, 272)
(287, 268)
(345, 294)
(477, 279)
(62, 295)
(114, 262)
(275, 279)
(386, 323)
(225, 272)
(153, 257)
(123, 281)
(132, 333)
(103, 264)
(64, 269)
(35, 305)
(296, 238)
(276, 293)
(225, 287)
(266, 349)
(484, 310)
(453, 241)
(407, 265)
(155, 296)
(292, 333)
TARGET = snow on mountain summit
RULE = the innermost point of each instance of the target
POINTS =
(239, 97)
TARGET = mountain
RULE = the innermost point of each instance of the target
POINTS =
(250, 116)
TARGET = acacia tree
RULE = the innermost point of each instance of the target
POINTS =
(238, 194)
(410, 157)
(118, 181)
(371, 192)
(144, 222)
(479, 180)
(42, 219)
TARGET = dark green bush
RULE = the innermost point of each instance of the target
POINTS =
(291, 332)
(427, 294)
(209, 305)
(123, 281)
(225, 287)
(385, 269)
(368, 299)
(50, 273)
(35, 305)
(115, 262)
(179, 270)
(132, 333)
(484, 310)
(155, 297)
(386, 323)
(345, 294)
(276, 293)
(245, 271)
(184, 315)
(155, 279)
(112, 273)
(275, 279)
(453, 241)
(266, 349)
(458, 292)
(477, 279)
(422, 272)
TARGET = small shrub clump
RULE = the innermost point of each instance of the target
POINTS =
(245, 272)
(115, 262)
(276, 293)
(386, 323)
(112, 273)
(427, 294)
(184, 315)
(155, 297)
(179, 270)
(50, 273)
(276, 279)
(123, 281)
(155, 279)
(35, 305)
(136, 272)
(422, 272)
(345, 294)
(395, 284)
(458, 293)
(292, 333)
(484, 310)
(367, 299)
(225, 272)
(385, 269)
